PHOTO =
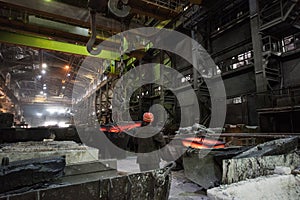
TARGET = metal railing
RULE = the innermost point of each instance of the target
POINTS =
(276, 11)
(291, 43)
(271, 44)
(285, 97)
(235, 62)
(288, 97)
(286, 44)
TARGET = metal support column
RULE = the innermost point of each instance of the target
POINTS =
(162, 91)
(260, 75)
(261, 82)
(195, 63)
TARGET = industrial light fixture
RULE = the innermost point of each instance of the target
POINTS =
(44, 65)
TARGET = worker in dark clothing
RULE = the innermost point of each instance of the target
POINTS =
(149, 140)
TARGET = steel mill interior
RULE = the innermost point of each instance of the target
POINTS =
(149, 99)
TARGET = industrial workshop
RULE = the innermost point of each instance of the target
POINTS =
(149, 99)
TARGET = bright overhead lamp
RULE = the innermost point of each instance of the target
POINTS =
(44, 65)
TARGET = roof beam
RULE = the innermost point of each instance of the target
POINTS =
(65, 13)
(45, 43)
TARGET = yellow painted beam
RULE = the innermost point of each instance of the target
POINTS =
(48, 44)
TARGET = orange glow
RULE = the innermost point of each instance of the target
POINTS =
(194, 145)
(114, 130)
(121, 128)
(202, 143)
(67, 67)
(103, 129)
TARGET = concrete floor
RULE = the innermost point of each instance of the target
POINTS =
(181, 188)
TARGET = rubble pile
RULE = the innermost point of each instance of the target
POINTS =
(266, 171)
(198, 129)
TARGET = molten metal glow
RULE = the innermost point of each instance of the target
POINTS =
(202, 143)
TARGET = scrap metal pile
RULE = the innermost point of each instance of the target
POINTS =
(194, 137)
(232, 169)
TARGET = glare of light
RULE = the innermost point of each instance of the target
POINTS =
(39, 76)
(44, 88)
(44, 65)
(56, 110)
(45, 94)
(68, 74)
(50, 123)
(63, 124)
(51, 110)
(43, 71)
(41, 92)
(67, 67)
(39, 114)
(44, 84)
(61, 111)
(63, 87)
(159, 88)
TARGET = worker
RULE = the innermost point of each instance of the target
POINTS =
(149, 140)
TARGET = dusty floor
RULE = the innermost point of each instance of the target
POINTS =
(181, 188)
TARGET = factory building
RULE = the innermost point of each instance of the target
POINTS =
(140, 99)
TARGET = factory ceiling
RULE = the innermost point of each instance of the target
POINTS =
(42, 42)
(56, 32)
